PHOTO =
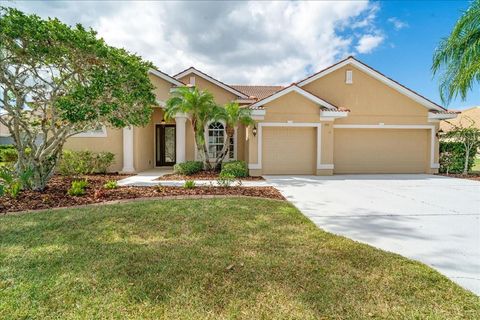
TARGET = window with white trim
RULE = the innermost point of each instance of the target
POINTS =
(349, 77)
(216, 137)
(98, 132)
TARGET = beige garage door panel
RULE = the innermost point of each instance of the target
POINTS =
(380, 151)
(289, 150)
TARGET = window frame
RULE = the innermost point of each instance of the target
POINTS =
(207, 140)
(92, 133)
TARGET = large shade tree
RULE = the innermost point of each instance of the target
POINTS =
(57, 81)
(200, 107)
(457, 58)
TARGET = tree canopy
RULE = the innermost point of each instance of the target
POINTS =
(57, 80)
(457, 57)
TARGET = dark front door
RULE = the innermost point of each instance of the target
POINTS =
(165, 145)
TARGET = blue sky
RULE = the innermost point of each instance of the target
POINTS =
(260, 42)
(406, 54)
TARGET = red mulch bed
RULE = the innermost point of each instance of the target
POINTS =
(472, 176)
(202, 175)
(55, 194)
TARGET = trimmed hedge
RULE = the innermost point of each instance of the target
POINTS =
(8, 153)
(75, 163)
(188, 167)
(238, 169)
(452, 157)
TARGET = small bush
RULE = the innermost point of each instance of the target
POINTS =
(112, 184)
(8, 155)
(78, 188)
(101, 162)
(225, 179)
(188, 168)
(74, 163)
(238, 169)
(189, 184)
(10, 183)
(452, 157)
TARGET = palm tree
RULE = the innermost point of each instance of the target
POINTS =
(200, 107)
(232, 115)
(458, 56)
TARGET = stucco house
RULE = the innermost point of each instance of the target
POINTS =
(347, 118)
(466, 118)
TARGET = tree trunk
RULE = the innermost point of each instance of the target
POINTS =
(225, 150)
(467, 158)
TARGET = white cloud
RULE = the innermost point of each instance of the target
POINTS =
(397, 23)
(368, 42)
(237, 42)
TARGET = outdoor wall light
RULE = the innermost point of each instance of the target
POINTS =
(440, 133)
(254, 130)
(163, 122)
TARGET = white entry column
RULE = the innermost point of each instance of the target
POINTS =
(128, 150)
(180, 143)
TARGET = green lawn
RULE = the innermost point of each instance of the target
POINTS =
(476, 164)
(208, 259)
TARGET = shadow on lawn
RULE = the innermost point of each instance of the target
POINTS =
(213, 257)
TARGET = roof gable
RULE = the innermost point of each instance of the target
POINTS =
(166, 77)
(293, 88)
(212, 80)
(377, 75)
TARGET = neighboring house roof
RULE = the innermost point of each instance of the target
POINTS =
(379, 76)
(166, 77)
(297, 89)
(211, 79)
(464, 119)
(256, 91)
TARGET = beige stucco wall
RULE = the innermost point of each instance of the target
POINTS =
(162, 87)
(370, 101)
(113, 142)
(221, 95)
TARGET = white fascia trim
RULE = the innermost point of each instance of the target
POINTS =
(258, 165)
(441, 116)
(258, 114)
(165, 77)
(433, 165)
(414, 96)
(328, 115)
(297, 89)
(212, 80)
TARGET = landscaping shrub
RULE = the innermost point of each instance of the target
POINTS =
(225, 179)
(10, 183)
(238, 169)
(8, 154)
(101, 162)
(188, 167)
(112, 184)
(74, 163)
(189, 184)
(78, 188)
(452, 157)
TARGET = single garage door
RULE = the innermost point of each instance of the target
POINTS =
(289, 150)
(380, 151)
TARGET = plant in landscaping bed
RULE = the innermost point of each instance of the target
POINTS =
(463, 142)
(78, 188)
(12, 183)
(75, 163)
(232, 115)
(57, 81)
(225, 179)
(188, 167)
(189, 184)
(8, 154)
(200, 107)
(238, 169)
(111, 184)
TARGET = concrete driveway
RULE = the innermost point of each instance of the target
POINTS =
(433, 219)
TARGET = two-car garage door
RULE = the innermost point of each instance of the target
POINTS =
(380, 150)
(293, 150)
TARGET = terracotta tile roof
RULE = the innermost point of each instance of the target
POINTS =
(259, 92)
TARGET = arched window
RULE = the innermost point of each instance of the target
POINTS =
(216, 136)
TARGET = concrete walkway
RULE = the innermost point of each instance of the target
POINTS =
(148, 179)
(433, 219)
